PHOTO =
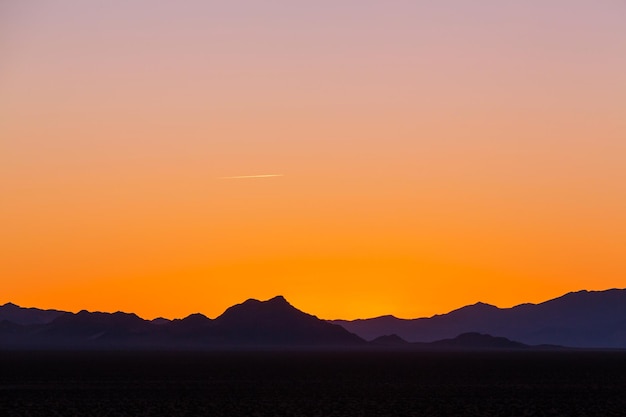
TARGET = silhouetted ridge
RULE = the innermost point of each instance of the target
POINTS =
(473, 311)
(579, 319)
(94, 328)
(19, 315)
(576, 319)
(473, 340)
(389, 340)
(253, 310)
(195, 320)
(275, 321)
(279, 299)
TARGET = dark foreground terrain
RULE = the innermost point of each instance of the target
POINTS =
(313, 384)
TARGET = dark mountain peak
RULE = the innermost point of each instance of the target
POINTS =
(190, 324)
(388, 317)
(586, 294)
(196, 318)
(472, 310)
(589, 302)
(127, 315)
(84, 317)
(274, 308)
(480, 306)
(389, 340)
(382, 319)
(475, 340)
(197, 315)
(279, 299)
(275, 321)
(472, 336)
(26, 316)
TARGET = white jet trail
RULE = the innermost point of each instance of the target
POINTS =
(240, 177)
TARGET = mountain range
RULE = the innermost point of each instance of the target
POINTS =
(582, 319)
(272, 323)
(578, 319)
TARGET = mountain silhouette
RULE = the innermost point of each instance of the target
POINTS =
(473, 340)
(20, 315)
(272, 323)
(389, 340)
(91, 329)
(578, 319)
(582, 319)
(277, 322)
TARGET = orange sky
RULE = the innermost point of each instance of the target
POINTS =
(432, 155)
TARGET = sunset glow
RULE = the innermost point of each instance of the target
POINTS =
(404, 157)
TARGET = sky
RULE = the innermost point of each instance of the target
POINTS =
(412, 156)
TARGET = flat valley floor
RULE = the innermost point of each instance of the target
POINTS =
(136, 384)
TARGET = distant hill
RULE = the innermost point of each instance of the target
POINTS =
(475, 340)
(276, 322)
(465, 341)
(389, 340)
(578, 319)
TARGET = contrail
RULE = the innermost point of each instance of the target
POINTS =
(240, 177)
